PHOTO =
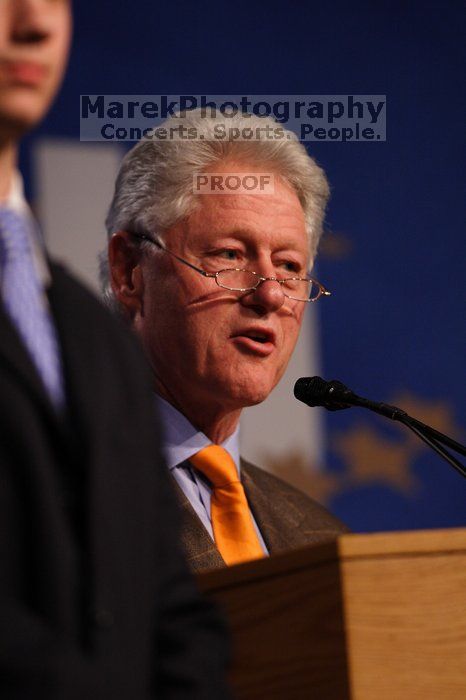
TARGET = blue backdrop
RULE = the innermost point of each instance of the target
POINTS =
(396, 248)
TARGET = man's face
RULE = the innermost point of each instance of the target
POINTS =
(34, 44)
(214, 347)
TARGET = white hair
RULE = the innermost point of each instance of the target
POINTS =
(154, 187)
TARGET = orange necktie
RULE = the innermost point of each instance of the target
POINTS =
(234, 532)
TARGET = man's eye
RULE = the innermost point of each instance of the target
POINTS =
(228, 254)
(293, 267)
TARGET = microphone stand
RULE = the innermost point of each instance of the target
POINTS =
(456, 464)
(438, 436)
(433, 438)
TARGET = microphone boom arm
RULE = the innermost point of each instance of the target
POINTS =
(335, 396)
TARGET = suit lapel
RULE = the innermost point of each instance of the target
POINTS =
(70, 317)
(199, 547)
(276, 518)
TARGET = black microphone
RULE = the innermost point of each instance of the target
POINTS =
(334, 396)
(315, 391)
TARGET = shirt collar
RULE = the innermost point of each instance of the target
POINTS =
(16, 200)
(182, 440)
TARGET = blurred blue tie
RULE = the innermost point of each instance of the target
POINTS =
(23, 299)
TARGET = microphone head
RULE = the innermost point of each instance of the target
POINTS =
(315, 391)
(310, 390)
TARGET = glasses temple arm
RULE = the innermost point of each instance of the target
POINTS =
(157, 243)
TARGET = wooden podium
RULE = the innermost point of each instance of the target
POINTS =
(368, 617)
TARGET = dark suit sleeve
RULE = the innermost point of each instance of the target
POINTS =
(192, 644)
(39, 663)
(37, 660)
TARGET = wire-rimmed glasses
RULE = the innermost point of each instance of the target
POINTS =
(240, 280)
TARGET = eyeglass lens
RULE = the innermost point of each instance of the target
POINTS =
(243, 280)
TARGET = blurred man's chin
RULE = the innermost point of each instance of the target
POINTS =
(19, 115)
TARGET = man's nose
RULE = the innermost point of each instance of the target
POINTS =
(30, 21)
(266, 297)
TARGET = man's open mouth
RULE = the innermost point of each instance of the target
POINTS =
(257, 340)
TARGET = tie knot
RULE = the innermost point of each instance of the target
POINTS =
(216, 464)
(14, 235)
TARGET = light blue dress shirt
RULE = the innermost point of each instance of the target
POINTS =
(181, 441)
(16, 201)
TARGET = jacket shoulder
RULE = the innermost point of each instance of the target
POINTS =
(77, 295)
(73, 302)
(289, 501)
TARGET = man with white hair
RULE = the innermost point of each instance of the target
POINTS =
(215, 284)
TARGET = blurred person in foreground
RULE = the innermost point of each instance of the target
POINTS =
(95, 598)
(215, 284)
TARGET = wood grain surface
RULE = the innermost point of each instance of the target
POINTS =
(369, 617)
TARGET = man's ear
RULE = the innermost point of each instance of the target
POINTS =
(124, 259)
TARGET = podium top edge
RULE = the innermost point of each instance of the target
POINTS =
(346, 547)
(403, 542)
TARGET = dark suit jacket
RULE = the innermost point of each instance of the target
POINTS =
(286, 518)
(95, 598)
